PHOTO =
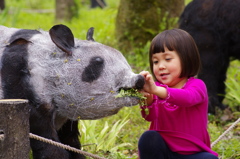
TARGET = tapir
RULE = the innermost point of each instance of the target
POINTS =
(214, 25)
(64, 80)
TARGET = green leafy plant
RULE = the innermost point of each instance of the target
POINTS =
(233, 94)
(233, 86)
(101, 138)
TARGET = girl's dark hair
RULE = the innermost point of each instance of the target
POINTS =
(182, 42)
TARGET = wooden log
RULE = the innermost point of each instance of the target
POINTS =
(14, 129)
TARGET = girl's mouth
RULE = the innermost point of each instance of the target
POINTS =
(164, 74)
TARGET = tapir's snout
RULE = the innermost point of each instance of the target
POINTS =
(140, 81)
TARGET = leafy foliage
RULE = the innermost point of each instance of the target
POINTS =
(101, 138)
(233, 86)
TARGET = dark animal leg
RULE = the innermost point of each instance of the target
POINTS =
(68, 134)
(42, 124)
(222, 86)
(214, 74)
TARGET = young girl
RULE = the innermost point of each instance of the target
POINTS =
(177, 103)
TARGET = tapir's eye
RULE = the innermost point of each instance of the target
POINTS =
(93, 70)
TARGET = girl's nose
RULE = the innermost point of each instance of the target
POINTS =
(162, 66)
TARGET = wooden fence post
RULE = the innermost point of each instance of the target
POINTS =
(14, 128)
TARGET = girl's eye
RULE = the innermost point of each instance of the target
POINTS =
(168, 59)
(155, 62)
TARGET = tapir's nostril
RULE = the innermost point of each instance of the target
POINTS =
(139, 82)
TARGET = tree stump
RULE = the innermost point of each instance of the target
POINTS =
(14, 129)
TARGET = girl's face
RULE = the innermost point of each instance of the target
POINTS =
(167, 68)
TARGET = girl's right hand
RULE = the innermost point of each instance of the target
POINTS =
(149, 85)
(151, 88)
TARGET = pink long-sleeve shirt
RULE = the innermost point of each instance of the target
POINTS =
(182, 118)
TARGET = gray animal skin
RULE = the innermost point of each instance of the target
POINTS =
(56, 76)
(66, 77)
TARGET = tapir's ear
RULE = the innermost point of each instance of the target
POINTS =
(20, 41)
(90, 34)
(62, 36)
(22, 37)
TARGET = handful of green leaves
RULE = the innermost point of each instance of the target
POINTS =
(131, 93)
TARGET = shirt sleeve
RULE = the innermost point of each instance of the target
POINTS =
(193, 93)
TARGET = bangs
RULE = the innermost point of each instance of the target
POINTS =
(159, 43)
